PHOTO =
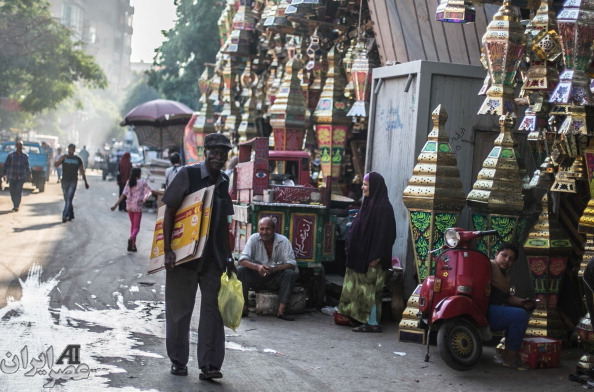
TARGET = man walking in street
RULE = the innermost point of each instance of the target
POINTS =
(84, 155)
(172, 170)
(16, 172)
(182, 281)
(71, 165)
(268, 262)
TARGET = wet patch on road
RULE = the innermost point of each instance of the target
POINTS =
(70, 349)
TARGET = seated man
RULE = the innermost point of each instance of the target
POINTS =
(268, 262)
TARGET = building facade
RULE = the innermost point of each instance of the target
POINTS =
(105, 29)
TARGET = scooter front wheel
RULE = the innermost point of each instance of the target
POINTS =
(459, 344)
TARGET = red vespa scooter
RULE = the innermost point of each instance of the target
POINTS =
(455, 300)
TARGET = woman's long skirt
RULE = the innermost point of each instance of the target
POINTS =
(360, 292)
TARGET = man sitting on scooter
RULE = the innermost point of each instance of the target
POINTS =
(506, 311)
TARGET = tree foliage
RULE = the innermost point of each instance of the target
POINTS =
(39, 63)
(140, 92)
(193, 41)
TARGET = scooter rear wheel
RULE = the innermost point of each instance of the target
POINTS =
(459, 344)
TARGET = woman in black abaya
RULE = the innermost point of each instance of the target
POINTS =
(368, 256)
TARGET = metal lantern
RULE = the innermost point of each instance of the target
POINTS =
(434, 195)
(361, 78)
(247, 128)
(455, 11)
(496, 196)
(547, 250)
(331, 122)
(287, 114)
(503, 45)
(229, 118)
(241, 41)
(576, 27)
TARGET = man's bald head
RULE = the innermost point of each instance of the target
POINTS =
(266, 228)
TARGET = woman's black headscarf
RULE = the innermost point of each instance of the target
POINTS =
(374, 229)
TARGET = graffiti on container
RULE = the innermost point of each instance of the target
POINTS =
(390, 116)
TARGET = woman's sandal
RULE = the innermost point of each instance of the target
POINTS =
(367, 328)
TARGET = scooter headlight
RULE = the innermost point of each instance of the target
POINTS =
(451, 237)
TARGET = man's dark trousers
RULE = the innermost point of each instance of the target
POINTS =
(16, 191)
(283, 281)
(180, 294)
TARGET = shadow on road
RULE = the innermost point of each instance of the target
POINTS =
(5, 212)
(36, 227)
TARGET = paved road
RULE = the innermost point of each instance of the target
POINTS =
(75, 284)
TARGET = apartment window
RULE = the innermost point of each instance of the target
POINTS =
(73, 18)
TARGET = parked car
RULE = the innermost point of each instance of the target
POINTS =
(38, 161)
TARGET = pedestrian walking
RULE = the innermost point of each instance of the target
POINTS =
(135, 193)
(368, 256)
(182, 281)
(84, 155)
(171, 171)
(124, 169)
(16, 172)
(72, 165)
(58, 169)
(49, 152)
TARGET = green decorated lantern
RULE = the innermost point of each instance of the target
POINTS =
(434, 195)
(496, 196)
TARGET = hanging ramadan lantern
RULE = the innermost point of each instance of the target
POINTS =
(241, 40)
(503, 44)
(547, 250)
(331, 122)
(455, 11)
(576, 27)
(496, 196)
(287, 114)
(544, 49)
(434, 196)
(361, 78)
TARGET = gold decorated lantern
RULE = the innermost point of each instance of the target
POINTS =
(544, 49)
(361, 79)
(496, 196)
(434, 195)
(287, 114)
(228, 121)
(547, 250)
(455, 11)
(586, 222)
(576, 27)
(331, 122)
(503, 44)
(247, 128)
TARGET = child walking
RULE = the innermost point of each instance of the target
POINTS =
(135, 192)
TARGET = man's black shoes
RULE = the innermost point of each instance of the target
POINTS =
(210, 374)
(177, 370)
